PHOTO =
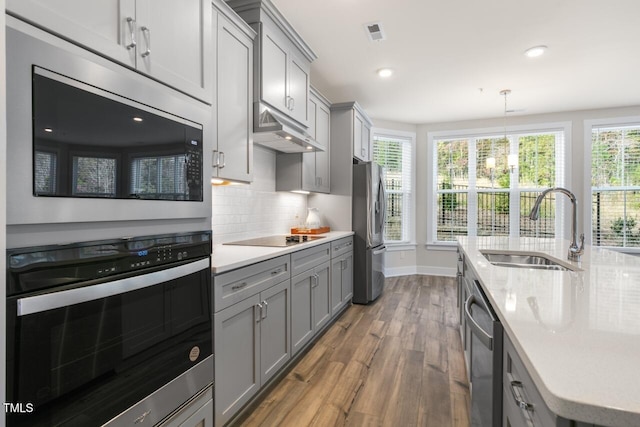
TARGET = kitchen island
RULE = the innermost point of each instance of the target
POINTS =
(576, 332)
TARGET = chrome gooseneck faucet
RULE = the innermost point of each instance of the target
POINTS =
(574, 250)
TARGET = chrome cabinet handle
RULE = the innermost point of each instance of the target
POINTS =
(522, 404)
(215, 158)
(145, 30)
(258, 312)
(132, 30)
(240, 286)
(278, 271)
(221, 162)
(265, 306)
(314, 281)
(293, 104)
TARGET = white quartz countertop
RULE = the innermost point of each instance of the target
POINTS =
(578, 333)
(229, 257)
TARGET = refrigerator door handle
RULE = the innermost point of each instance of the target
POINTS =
(380, 251)
(382, 194)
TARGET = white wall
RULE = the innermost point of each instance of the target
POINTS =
(246, 211)
(442, 262)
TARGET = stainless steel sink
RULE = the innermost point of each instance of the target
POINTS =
(519, 259)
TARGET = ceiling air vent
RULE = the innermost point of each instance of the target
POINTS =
(375, 31)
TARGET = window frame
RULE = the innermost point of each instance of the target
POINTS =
(588, 192)
(563, 175)
(409, 243)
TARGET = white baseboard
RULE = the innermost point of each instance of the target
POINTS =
(427, 271)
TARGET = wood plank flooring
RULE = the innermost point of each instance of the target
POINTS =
(396, 362)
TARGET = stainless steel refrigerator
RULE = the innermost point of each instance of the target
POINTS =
(369, 214)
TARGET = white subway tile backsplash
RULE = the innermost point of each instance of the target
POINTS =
(246, 211)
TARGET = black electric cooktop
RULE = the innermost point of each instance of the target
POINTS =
(276, 241)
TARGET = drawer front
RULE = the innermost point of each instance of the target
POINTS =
(308, 258)
(342, 246)
(523, 405)
(234, 286)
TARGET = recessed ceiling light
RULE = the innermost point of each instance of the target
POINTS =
(385, 72)
(48, 130)
(137, 119)
(535, 51)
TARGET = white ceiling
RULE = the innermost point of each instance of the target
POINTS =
(444, 51)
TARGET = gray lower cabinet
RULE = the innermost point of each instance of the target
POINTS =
(251, 332)
(341, 273)
(310, 304)
(310, 294)
(196, 413)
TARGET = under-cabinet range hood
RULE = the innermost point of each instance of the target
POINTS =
(276, 131)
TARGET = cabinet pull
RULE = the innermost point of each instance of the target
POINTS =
(362, 151)
(258, 312)
(525, 406)
(215, 158)
(145, 30)
(293, 104)
(346, 264)
(132, 30)
(240, 286)
(265, 306)
(314, 281)
(221, 162)
(278, 271)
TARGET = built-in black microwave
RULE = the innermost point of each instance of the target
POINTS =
(88, 142)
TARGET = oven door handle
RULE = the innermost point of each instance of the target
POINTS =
(50, 301)
(482, 335)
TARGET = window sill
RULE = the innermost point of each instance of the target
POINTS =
(447, 247)
(396, 247)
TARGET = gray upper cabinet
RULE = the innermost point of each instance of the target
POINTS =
(233, 40)
(309, 171)
(166, 40)
(352, 127)
(282, 60)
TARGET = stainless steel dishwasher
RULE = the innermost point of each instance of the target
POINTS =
(486, 359)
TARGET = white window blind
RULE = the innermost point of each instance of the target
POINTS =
(394, 154)
(159, 176)
(94, 176)
(615, 185)
(481, 192)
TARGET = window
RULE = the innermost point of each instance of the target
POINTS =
(94, 176)
(393, 150)
(615, 184)
(161, 176)
(46, 171)
(486, 185)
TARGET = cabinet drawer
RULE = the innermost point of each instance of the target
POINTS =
(520, 391)
(234, 286)
(309, 258)
(341, 247)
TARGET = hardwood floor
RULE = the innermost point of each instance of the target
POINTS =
(396, 362)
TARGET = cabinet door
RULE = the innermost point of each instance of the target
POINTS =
(275, 347)
(174, 44)
(234, 101)
(301, 310)
(347, 278)
(323, 166)
(321, 297)
(358, 127)
(236, 349)
(100, 25)
(336, 285)
(366, 143)
(299, 88)
(274, 69)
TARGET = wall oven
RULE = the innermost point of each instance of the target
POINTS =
(108, 332)
(91, 141)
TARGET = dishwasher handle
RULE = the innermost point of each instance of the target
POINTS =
(482, 335)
